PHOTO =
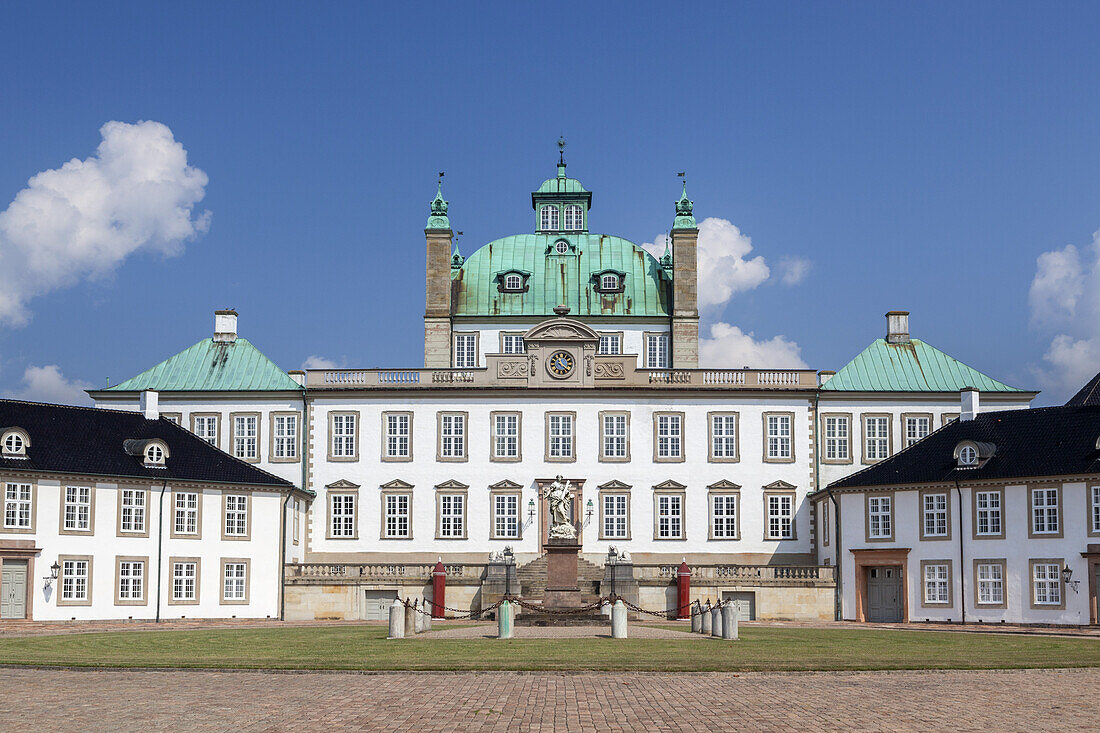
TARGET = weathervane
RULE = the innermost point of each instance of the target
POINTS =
(561, 150)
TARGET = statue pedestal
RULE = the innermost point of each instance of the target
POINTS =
(561, 574)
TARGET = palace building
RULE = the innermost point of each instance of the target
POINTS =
(560, 351)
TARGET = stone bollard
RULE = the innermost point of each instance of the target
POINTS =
(419, 618)
(716, 620)
(618, 620)
(397, 620)
(410, 621)
(504, 620)
(706, 620)
(427, 618)
(696, 617)
(730, 617)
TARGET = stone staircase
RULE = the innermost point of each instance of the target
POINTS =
(532, 579)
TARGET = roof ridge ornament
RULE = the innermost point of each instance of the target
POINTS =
(438, 218)
(684, 208)
(666, 258)
(561, 156)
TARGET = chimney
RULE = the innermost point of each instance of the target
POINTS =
(298, 376)
(823, 377)
(897, 327)
(225, 326)
(968, 397)
(150, 404)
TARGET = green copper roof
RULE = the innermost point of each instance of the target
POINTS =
(560, 279)
(909, 367)
(561, 184)
(212, 367)
(438, 218)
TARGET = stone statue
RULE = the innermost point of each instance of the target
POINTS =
(558, 496)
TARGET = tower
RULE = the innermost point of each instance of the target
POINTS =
(685, 285)
(437, 311)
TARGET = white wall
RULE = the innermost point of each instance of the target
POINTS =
(633, 334)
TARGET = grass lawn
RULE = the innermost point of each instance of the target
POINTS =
(366, 648)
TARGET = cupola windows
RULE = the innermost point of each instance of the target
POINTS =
(548, 218)
(13, 444)
(574, 218)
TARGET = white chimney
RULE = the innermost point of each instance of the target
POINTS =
(225, 326)
(298, 376)
(823, 377)
(150, 404)
(969, 399)
(897, 327)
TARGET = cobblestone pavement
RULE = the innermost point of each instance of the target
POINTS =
(116, 700)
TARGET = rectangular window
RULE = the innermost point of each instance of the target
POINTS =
(236, 515)
(780, 517)
(465, 350)
(1094, 513)
(246, 437)
(506, 516)
(512, 343)
(17, 506)
(1044, 511)
(172, 417)
(991, 583)
(296, 513)
(506, 436)
(396, 515)
(342, 515)
(186, 519)
(611, 344)
(917, 427)
(560, 436)
(876, 437)
(397, 438)
(988, 514)
(78, 508)
(670, 515)
(452, 435)
(131, 580)
(614, 438)
(669, 438)
(452, 515)
(880, 524)
(184, 578)
(343, 435)
(616, 520)
(778, 436)
(285, 435)
(937, 587)
(206, 427)
(1046, 579)
(934, 515)
(133, 510)
(723, 516)
(825, 522)
(74, 580)
(656, 351)
(235, 582)
(838, 434)
(723, 437)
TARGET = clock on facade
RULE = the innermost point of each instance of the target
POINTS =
(560, 364)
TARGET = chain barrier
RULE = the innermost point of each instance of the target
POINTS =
(605, 600)
(460, 614)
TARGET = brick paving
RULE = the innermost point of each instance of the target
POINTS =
(199, 701)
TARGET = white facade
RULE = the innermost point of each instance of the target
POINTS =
(628, 336)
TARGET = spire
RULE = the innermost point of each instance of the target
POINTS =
(684, 218)
(457, 259)
(438, 218)
(666, 258)
(561, 157)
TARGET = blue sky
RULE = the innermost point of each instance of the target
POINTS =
(910, 156)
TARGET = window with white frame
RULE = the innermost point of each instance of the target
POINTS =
(780, 516)
(397, 435)
(561, 247)
(548, 218)
(396, 516)
(18, 498)
(184, 575)
(506, 516)
(988, 513)
(133, 510)
(465, 350)
(916, 428)
(1044, 511)
(512, 343)
(506, 435)
(245, 437)
(614, 435)
(452, 515)
(610, 344)
(1046, 579)
(837, 437)
(670, 516)
(14, 445)
(296, 514)
(452, 435)
(235, 582)
(991, 583)
(343, 435)
(286, 436)
(236, 515)
(574, 217)
(131, 580)
(206, 427)
(669, 437)
(186, 519)
(656, 351)
(616, 518)
(934, 515)
(342, 515)
(825, 522)
(937, 589)
(723, 516)
(154, 456)
(876, 437)
(778, 437)
(78, 508)
(609, 281)
(561, 436)
(879, 517)
(74, 580)
(1095, 513)
(968, 456)
(172, 417)
(723, 437)
(513, 282)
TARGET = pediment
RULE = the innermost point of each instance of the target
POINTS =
(725, 484)
(342, 484)
(505, 484)
(779, 485)
(396, 484)
(452, 484)
(561, 329)
(670, 484)
(614, 484)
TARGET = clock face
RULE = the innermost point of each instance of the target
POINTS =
(560, 364)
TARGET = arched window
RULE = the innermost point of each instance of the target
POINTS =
(574, 217)
(513, 281)
(609, 281)
(548, 218)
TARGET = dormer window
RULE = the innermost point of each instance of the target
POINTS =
(153, 452)
(14, 444)
(968, 456)
(548, 218)
(609, 281)
(513, 281)
(973, 454)
(154, 455)
(561, 247)
(574, 218)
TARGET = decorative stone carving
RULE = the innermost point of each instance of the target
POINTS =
(610, 370)
(512, 369)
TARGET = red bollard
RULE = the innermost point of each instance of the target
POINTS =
(683, 588)
(439, 589)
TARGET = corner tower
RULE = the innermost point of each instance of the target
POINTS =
(437, 311)
(685, 284)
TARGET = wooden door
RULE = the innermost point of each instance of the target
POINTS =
(13, 589)
(884, 594)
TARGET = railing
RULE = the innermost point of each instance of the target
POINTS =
(353, 572)
(741, 574)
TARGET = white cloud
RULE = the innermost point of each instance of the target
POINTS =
(319, 362)
(1058, 285)
(794, 269)
(728, 347)
(48, 384)
(82, 220)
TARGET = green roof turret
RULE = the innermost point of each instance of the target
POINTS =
(561, 204)
(457, 259)
(438, 218)
(666, 258)
(684, 217)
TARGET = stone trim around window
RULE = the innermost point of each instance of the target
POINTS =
(764, 447)
(118, 514)
(176, 417)
(1003, 562)
(440, 492)
(493, 494)
(614, 459)
(493, 457)
(502, 334)
(197, 534)
(34, 508)
(646, 335)
(948, 417)
(905, 425)
(87, 600)
(1090, 510)
(217, 425)
(355, 443)
(144, 600)
(737, 518)
(297, 437)
(382, 524)
(384, 447)
(622, 339)
(824, 438)
(572, 458)
(657, 493)
(863, 436)
(247, 515)
(1031, 534)
(233, 435)
(794, 516)
(867, 516)
(736, 437)
(477, 348)
(974, 514)
(657, 415)
(600, 494)
(924, 602)
(171, 581)
(247, 581)
(439, 436)
(1061, 563)
(61, 509)
(354, 493)
(920, 513)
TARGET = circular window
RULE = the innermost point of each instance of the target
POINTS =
(154, 454)
(968, 456)
(560, 364)
(562, 247)
(13, 444)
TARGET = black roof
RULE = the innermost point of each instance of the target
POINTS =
(1087, 395)
(89, 441)
(1047, 441)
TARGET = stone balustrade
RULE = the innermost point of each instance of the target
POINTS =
(740, 574)
(316, 572)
